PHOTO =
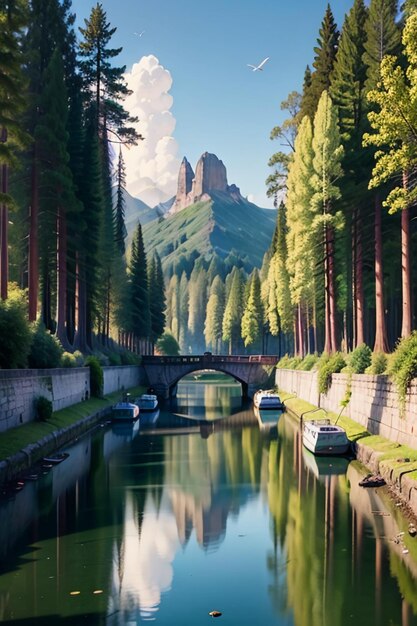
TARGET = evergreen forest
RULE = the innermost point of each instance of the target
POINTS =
(338, 273)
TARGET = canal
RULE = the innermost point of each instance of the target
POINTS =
(204, 507)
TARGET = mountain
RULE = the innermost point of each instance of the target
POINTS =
(210, 217)
(136, 210)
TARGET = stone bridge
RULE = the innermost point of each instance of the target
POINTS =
(253, 372)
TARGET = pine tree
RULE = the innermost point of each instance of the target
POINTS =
(233, 311)
(197, 307)
(382, 38)
(173, 306)
(302, 255)
(50, 28)
(13, 19)
(348, 94)
(140, 318)
(156, 297)
(105, 82)
(119, 210)
(183, 319)
(214, 316)
(56, 192)
(328, 154)
(394, 125)
(252, 319)
(325, 54)
(88, 260)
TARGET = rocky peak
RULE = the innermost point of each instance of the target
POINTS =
(210, 175)
(185, 182)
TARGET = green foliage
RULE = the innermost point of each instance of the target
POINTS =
(167, 345)
(15, 333)
(294, 363)
(334, 364)
(43, 409)
(325, 53)
(403, 365)
(96, 376)
(360, 359)
(308, 362)
(284, 362)
(72, 359)
(378, 364)
(129, 358)
(68, 360)
(46, 350)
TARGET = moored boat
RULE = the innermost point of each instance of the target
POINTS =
(125, 410)
(147, 402)
(268, 399)
(323, 437)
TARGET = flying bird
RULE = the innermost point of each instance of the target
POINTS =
(139, 34)
(256, 68)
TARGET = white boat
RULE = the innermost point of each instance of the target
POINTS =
(323, 437)
(123, 411)
(268, 400)
(147, 402)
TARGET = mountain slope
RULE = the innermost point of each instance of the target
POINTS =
(213, 226)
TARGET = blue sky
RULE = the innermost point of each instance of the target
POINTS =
(219, 105)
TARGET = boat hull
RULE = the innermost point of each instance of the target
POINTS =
(125, 412)
(325, 439)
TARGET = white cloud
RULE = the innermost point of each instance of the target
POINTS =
(151, 166)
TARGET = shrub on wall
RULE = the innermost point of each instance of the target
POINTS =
(15, 332)
(378, 364)
(360, 359)
(96, 376)
(403, 365)
(45, 350)
(328, 366)
(43, 409)
(284, 362)
(308, 362)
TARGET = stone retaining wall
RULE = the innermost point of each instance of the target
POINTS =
(19, 389)
(123, 377)
(373, 403)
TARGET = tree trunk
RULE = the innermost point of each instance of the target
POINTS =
(353, 282)
(4, 229)
(359, 297)
(381, 339)
(327, 338)
(61, 309)
(332, 292)
(33, 264)
(300, 332)
(80, 339)
(406, 267)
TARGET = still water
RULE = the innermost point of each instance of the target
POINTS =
(166, 520)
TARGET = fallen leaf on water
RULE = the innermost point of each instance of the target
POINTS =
(215, 613)
(97, 591)
(75, 593)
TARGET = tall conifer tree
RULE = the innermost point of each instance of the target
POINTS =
(325, 54)
(13, 19)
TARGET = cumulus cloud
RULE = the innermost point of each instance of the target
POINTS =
(151, 166)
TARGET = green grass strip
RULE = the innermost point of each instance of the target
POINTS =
(16, 439)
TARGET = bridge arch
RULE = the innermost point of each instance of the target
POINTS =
(252, 371)
(213, 368)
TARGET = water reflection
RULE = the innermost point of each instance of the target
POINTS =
(197, 397)
(142, 524)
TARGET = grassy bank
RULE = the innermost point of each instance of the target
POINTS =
(18, 438)
(392, 456)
